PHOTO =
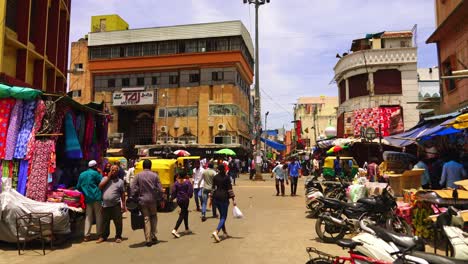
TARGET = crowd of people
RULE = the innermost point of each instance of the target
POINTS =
(105, 195)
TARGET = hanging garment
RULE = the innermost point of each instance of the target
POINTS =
(88, 139)
(13, 129)
(81, 127)
(37, 181)
(39, 115)
(6, 106)
(27, 125)
(72, 145)
(14, 174)
(22, 176)
(49, 118)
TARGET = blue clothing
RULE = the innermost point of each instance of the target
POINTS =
(223, 211)
(294, 169)
(337, 167)
(88, 184)
(72, 143)
(426, 178)
(279, 172)
(29, 109)
(452, 172)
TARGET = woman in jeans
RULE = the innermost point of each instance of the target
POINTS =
(222, 193)
(183, 191)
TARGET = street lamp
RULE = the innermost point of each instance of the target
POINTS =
(266, 133)
(257, 118)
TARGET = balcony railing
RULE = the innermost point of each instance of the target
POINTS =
(375, 57)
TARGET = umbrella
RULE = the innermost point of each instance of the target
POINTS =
(228, 152)
(461, 122)
(181, 153)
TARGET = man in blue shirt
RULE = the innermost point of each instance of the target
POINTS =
(452, 172)
(293, 168)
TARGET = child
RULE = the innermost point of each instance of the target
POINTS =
(183, 191)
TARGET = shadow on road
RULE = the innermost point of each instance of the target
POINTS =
(143, 244)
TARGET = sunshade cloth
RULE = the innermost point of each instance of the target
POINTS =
(273, 144)
(182, 153)
(229, 152)
(19, 92)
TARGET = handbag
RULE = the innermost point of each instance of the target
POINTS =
(137, 220)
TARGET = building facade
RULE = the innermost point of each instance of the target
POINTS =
(451, 37)
(316, 114)
(178, 87)
(378, 85)
(429, 91)
(34, 43)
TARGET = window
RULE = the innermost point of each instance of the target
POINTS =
(211, 92)
(78, 66)
(194, 78)
(224, 110)
(162, 112)
(111, 83)
(140, 81)
(173, 79)
(154, 80)
(191, 46)
(167, 47)
(447, 67)
(223, 140)
(181, 46)
(125, 82)
(122, 52)
(217, 76)
(76, 93)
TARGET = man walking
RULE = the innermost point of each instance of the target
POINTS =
(280, 171)
(88, 184)
(197, 181)
(294, 168)
(147, 190)
(208, 176)
(113, 204)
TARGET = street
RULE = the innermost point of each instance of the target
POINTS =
(274, 230)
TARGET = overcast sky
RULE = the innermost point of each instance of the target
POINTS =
(298, 38)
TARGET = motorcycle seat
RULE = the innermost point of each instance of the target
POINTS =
(432, 258)
(369, 201)
(402, 241)
(348, 243)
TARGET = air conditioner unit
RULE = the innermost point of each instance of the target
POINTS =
(221, 127)
(79, 70)
(186, 130)
(164, 129)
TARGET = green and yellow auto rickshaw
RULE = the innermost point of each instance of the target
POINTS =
(347, 172)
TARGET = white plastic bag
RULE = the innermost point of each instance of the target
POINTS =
(237, 212)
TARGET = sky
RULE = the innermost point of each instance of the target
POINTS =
(299, 39)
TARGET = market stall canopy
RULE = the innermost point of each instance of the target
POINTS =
(460, 122)
(19, 92)
(226, 151)
(273, 144)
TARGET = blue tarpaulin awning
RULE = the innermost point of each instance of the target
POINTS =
(273, 144)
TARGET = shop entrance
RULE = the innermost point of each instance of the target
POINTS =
(137, 126)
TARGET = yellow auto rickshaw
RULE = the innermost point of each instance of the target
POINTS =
(182, 163)
(329, 167)
(123, 161)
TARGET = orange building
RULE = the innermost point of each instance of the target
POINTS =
(451, 37)
(34, 43)
(178, 87)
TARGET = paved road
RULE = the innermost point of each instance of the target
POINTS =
(275, 230)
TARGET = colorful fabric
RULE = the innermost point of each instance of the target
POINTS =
(88, 138)
(39, 115)
(37, 182)
(13, 129)
(29, 109)
(6, 105)
(389, 119)
(22, 176)
(49, 117)
(72, 145)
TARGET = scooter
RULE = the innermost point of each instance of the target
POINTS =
(313, 191)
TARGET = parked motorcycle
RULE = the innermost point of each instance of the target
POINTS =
(340, 217)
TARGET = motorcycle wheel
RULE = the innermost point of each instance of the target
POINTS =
(329, 232)
(399, 225)
(319, 261)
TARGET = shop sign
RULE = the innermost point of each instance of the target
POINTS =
(133, 98)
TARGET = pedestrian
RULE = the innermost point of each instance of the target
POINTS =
(426, 177)
(208, 176)
(373, 170)
(182, 190)
(121, 173)
(147, 190)
(197, 181)
(337, 166)
(252, 169)
(280, 172)
(130, 174)
(233, 171)
(88, 184)
(294, 174)
(106, 170)
(315, 167)
(113, 204)
(221, 195)
(452, 171)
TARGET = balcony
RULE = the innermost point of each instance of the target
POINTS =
(395, 56)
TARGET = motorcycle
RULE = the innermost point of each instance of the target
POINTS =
(314, 190)
(339, 218)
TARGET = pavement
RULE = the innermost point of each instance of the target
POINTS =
(274, 230)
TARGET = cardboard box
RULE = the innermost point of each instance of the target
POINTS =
(407, 180)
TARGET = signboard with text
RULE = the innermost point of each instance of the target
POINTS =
(133, 98)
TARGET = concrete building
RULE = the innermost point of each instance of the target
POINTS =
(34, 43)
(376, 83)
(429, 91)
(177, 87)
(316, 114)
(451, 37)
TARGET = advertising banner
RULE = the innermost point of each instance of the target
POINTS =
(133, 98)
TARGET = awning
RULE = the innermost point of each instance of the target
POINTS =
(406, 138)
(273, 144)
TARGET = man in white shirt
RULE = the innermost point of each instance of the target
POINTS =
(197, 182)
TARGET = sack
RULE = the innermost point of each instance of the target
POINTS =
(236, 212)
(137, 220)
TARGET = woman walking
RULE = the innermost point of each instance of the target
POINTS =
(222, 193)
(183, 191)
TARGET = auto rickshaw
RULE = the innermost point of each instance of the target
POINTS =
(329, 168)
(182, 162)
(123, 161)
(166, 171)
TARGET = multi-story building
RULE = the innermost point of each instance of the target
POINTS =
(429, 92)
(173, 87)
(316, 114)
(451, 37)
(377, 82)
(34, 43)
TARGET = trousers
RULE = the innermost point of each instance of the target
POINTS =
(150, 213)
(93, 213)
(113, 213)
(205, 197)
(294, 185)
(223, 211)
(279, 182)
(196, 198)
(184, 214)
